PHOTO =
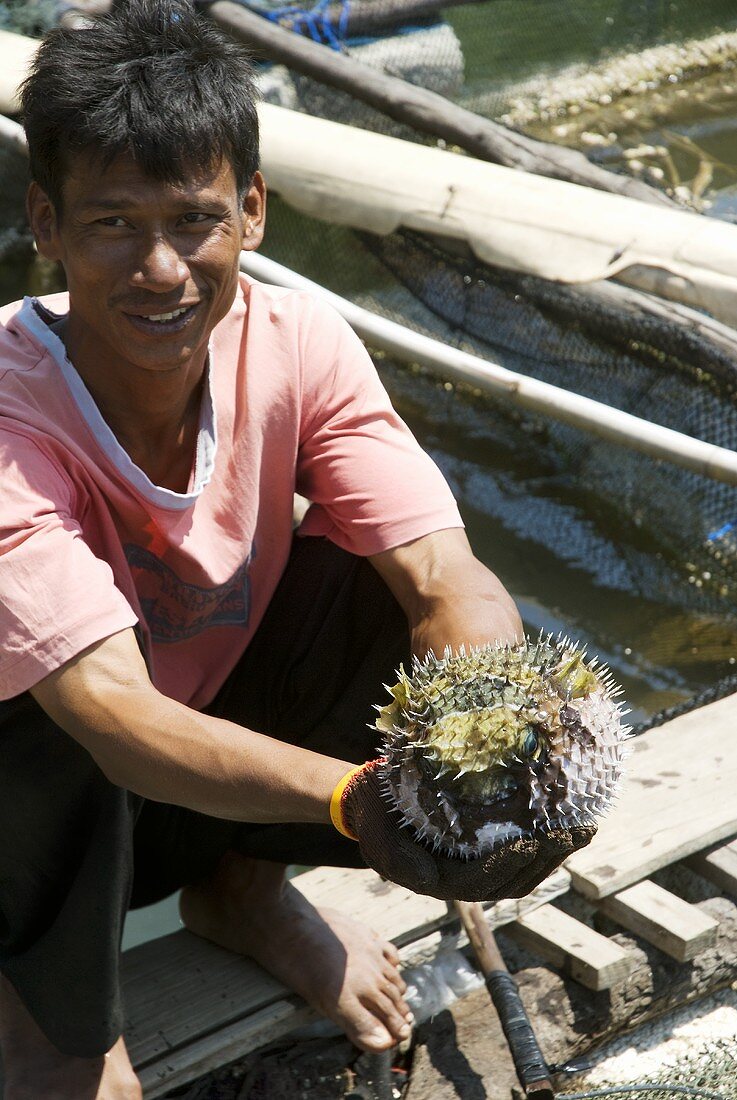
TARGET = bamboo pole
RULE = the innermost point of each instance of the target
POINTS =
(425, 111)
(591, 416)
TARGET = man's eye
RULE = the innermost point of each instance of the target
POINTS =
(114, 220)
(194, 217)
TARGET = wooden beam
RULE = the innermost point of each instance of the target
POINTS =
(224, 1045)
(663, 919)
(425, 111)
(593, 960)
(718, 865)
(678, 797)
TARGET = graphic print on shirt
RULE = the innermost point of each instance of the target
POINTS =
(175, 610)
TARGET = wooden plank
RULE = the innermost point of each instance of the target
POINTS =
(186, 997)
(718, 865)
(664, 920)
(678, 798)
(452, 936)
(180, 987)
(593, 960)
(398, 914)
(225, 1045)
(393, 912)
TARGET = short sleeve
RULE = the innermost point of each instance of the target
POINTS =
(56, 597)
(372, 486)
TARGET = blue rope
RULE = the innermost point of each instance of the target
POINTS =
(314, 21)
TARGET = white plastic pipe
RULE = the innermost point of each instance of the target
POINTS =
(591, 416)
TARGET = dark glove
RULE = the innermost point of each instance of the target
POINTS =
(511, 871)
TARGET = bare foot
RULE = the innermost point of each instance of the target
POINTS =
(34, 1068)
(339, 966)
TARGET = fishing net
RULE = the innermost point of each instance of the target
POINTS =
(634, 537)
(706, 1072)
(33, 18)
(642, 541)
(655, 1091)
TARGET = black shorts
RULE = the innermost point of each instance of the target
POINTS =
(76, 852)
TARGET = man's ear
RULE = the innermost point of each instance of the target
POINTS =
(44, 222)
(254, 213)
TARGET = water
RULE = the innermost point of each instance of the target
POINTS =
(690, 126)
(509, 40)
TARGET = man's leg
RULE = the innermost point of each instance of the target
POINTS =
(65, 872)
(33, 1068)
(332, 636)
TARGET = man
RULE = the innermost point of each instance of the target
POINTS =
(184, 690)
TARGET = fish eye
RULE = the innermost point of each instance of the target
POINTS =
(529, 743)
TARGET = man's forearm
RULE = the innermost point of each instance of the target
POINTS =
(167, 752)
(449, 597)
(217, 767)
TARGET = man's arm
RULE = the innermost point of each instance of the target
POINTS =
(448, 595)
(167, 752)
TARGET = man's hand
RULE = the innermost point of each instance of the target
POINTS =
(449, 597)
(511, 871)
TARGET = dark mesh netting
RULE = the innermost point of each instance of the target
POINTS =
(690, 519)
(636, 555)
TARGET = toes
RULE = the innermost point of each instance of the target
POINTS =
(393, 975)
(392, 1016)
(367, 1032)
(390, 953)
(395, 994)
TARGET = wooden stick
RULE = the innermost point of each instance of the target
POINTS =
(425, 111)
(528, 1059)
(462, 1054)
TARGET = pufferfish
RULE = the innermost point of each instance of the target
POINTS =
(497, 742)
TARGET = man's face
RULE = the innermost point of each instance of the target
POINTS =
(151, 267)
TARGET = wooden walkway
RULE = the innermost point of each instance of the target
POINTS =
(193, 1007)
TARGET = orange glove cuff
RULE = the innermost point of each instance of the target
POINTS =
(337, 799)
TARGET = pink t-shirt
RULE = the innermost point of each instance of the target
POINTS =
(90, 546)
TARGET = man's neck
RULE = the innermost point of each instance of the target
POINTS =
(153, 415)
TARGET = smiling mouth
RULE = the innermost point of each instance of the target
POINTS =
(171, 321)
(168, 316)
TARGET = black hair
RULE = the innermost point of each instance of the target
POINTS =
(154, 79)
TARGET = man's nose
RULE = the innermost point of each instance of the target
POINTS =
(159, 266)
